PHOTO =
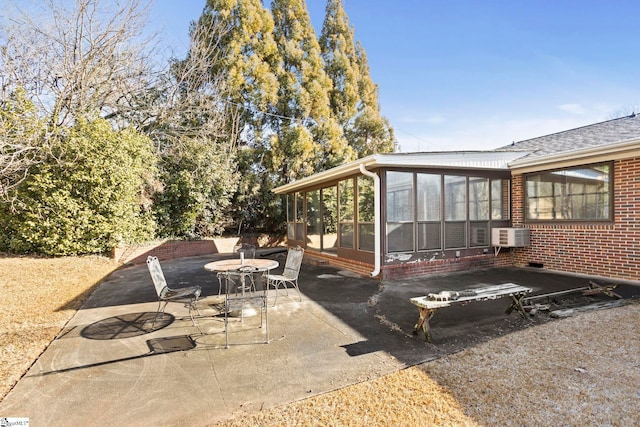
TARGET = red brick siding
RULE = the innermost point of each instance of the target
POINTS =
(358, 267)
(137, 254)
(169, 249)
(611, 250)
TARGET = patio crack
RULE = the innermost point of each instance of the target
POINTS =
(373, 302)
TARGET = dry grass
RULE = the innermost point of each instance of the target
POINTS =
(579, 371)
(39, 296)
(406, 398)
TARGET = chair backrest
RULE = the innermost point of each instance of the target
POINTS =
(293, 263)
(157, 275)
(248, 250)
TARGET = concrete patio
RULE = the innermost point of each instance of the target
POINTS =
(109, 367)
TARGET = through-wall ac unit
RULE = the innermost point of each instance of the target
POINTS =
(510, 237)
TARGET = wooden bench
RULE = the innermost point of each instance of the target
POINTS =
(428, 304)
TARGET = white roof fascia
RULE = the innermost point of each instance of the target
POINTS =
(496, 160)
(603, 153)
(452, 159)
(328, 175)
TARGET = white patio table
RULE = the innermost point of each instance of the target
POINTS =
(256, 265)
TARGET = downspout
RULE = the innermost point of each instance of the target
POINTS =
(376, 202)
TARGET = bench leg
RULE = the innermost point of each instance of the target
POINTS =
(423, 322)
(516, 304)
(595, 289)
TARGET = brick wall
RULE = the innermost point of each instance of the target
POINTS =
(169, 249)
(358, 267)
(610, 250)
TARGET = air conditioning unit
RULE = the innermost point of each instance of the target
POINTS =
(510, 237)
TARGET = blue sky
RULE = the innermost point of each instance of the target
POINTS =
(474, 75)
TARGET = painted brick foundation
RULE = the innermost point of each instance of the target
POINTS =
(442, 266)
(607, 249)
(413, 269)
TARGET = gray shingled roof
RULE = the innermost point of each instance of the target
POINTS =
(594, 135)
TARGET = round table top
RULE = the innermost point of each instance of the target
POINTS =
(235, 263)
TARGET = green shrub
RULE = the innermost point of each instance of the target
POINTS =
(198, 180)
(86, 197)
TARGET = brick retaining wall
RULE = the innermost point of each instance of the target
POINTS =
(169, 249)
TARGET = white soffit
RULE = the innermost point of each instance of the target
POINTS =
(496, 160)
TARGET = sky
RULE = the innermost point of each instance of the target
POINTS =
(476, 75)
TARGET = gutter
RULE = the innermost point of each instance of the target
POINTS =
(376, 235)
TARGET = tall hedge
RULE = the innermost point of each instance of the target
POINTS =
(86, 197)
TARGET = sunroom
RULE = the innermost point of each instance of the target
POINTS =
(393, 215)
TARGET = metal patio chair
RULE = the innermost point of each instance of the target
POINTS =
(290, 274)
(189, 295)
(239, 277)
(244, 302)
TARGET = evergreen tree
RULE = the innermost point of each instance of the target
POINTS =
(371, 132)
(239, 37)
(339, 54)
(354, 97)
(306, 136)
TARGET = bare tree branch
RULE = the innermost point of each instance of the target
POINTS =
(60, 61)
(76, 61)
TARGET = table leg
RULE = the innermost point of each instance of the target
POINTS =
(423, 322)
(516, 304)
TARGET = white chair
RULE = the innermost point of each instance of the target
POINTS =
(245, 251)
(244, 300)
(167, 294)
(290, 274)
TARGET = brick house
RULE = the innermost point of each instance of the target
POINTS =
(573, 197)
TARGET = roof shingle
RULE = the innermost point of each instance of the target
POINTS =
(598, 134)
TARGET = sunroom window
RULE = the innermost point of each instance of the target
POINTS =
(291, 216)
(314, 220)
(346, 213)
(399, 211)
(300, 232)
(366, 214)
(455, 211)
(429, 191)
(574, 194)
(479, 211)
